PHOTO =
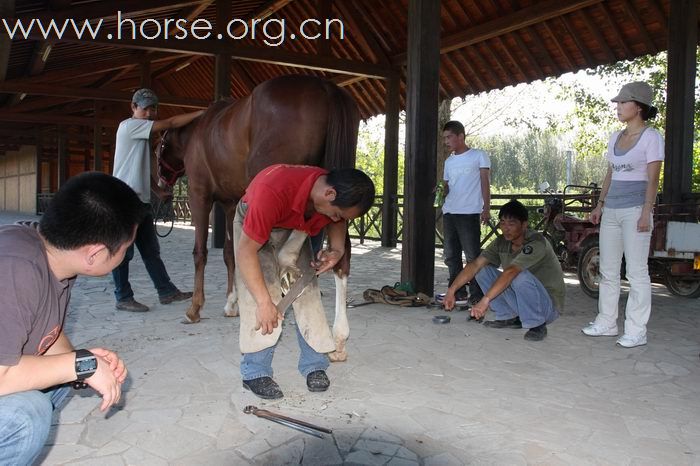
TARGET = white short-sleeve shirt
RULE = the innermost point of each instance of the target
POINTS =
(463, 175)
(632, 166)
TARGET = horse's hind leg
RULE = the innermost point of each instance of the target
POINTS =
(231, 307)
(341, 327)
(200, 209)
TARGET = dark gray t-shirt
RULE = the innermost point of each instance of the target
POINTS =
(33, 301)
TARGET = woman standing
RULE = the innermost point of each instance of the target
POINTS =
(625, 215)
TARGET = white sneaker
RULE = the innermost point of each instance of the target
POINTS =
(597, 330)
(628, 341)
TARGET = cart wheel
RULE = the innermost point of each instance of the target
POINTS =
(683, 288)
(588, 270)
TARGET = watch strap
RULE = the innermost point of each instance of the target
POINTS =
(79, 355)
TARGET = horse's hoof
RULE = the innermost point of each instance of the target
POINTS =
(188, 320)
(337, 356)
(231, 310)
(288, 276)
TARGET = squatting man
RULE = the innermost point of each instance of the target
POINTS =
(529, 292)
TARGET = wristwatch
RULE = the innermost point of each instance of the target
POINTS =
(85, 364)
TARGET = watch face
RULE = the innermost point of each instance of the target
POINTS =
(88, 364)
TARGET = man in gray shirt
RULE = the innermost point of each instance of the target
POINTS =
(132, 164)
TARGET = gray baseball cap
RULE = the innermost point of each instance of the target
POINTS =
(637, 91)
(145, 98)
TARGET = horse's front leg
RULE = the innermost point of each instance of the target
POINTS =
(200, 209)
(231, 307)
(341, 327)
(287, 257)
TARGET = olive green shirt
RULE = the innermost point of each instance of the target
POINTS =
(536, 256)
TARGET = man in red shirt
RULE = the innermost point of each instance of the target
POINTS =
(280, 199)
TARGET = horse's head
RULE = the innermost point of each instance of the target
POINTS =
(170, 166)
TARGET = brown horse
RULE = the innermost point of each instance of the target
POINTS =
(291, 119)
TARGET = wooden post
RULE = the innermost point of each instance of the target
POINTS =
(682, 41)
(97, 148)
(62, 163)
(391, 163)
(418, 254)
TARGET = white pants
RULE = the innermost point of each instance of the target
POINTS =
(618, 235)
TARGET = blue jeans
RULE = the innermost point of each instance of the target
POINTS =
(255, 365)
(25, 420)
(462, 232)
(525, 297)
(147, 242)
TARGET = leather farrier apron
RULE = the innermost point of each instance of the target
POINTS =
(308, 308)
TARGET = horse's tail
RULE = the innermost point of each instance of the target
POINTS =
(343, 124)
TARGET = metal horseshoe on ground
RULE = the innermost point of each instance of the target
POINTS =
(296, 424)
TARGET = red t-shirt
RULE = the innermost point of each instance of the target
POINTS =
(277, 198)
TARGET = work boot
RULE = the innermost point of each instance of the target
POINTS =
(175, 297)
(506, 323)
(131, 305)
(536, 333)
(317, 381)
(264, 387)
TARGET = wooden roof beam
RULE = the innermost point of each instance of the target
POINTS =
(40, 55)
(532, 61)
(539, 44)
(7, 8)
(259, 54)
(356, 20)
(105, 10)
(98, 94)
(557, 43)
(614, 29)
(242, 76)
(595, 32)
(99, 68)
(56, 119)
(640, 26)
(518, 69)
(587, 57)
(529, 16)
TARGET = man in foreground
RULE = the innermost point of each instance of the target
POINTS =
(87, 228)
(280, 199)
(529, 293)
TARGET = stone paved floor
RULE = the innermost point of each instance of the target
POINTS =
(412, 392)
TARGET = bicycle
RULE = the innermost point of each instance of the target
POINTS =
(163, 216)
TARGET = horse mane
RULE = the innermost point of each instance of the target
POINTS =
(343, 124)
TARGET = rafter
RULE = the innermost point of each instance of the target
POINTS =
(56, 119)
(260, 54)
(595, 32)
(587, 57)
(356, 20)
(537, 13)
(99, 94)
(640, 26)
(106, 10)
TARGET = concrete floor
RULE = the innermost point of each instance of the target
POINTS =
(412, 392)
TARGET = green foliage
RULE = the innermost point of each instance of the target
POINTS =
(370, 154)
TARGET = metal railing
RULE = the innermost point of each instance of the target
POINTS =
(369, 226)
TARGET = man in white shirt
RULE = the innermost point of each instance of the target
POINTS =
(467, 204)
(132, 164)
